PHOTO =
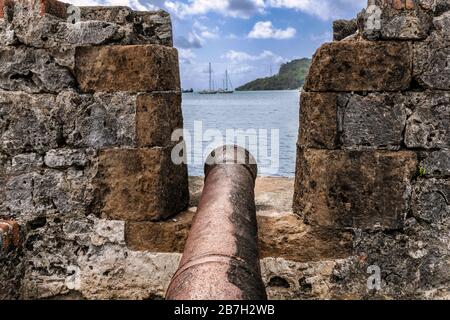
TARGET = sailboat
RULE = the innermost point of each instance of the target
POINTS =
(211, 85)
(227, 82)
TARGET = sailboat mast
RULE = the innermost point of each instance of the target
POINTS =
(210, 77)
(226, 79)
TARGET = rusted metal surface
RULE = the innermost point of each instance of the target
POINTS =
(9, 234)
(221, 259)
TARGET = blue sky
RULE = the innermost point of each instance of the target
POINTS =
(247, 37)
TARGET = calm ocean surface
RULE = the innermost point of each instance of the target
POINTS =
(270, 110)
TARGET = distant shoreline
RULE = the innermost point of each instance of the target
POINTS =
(292, 75)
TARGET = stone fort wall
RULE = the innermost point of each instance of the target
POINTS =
(91, 207)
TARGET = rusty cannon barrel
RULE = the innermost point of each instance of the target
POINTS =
(221, 258)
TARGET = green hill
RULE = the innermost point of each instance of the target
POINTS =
(292, 76)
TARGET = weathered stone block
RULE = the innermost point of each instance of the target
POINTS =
(168, 236)
(442, 24)
(407, 27)
(62, 37)
(414, 263)
(114, 272)
(11, 275)
(34, 8)
(437, 164)
(432, 62)
(430, 200)
(354, 189)
(33, 71)
(344, 28)
(25, 163)
(97, 25)
(289, 280)
(65, 158)
(286, 236)
(27, 124)
(115, 14)
(146, 27)
(428, 126)
(7, 34)
(158, 115)
(43, 122)
(30, 189)
(119, 119)
(361, 66)
(4, 162)
(141, 184)
(49, 191)
(143, 68)
(98, 121)
(318, 120)
(438, 7)
(392, 20)
(372, 121)
(19, 195)
(351, 121)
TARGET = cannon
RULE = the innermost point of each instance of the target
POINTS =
(221, 258)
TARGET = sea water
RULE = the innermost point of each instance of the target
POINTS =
(255, 110)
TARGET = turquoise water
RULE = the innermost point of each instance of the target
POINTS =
(208, 117)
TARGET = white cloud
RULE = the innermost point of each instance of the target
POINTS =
(233, 8)
(205, 31)
(191, 40)
(133, 4)
(209, 35)
(324, 9)
(240, 69)
(265, 30)
(186, 56)
(323, 37)
(239, 56)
